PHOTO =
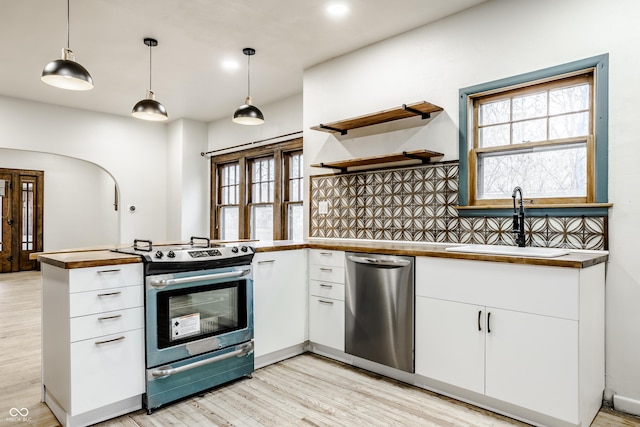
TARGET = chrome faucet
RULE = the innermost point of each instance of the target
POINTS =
(518, 218)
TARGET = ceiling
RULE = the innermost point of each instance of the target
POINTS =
(195, 37)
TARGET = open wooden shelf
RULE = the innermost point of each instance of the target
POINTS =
(424, 156)
(423, 109)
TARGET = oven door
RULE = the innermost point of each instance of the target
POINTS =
(192, 313)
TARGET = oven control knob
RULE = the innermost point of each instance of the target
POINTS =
(234, 249)
(159, 254)
(244, 249)
(171, 254)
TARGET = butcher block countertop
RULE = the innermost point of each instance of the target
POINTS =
(95, 257)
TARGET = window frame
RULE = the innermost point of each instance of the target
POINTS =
(244, 158)
(286, 181)
(596, 202)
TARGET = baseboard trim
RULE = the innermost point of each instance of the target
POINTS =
(626, 404)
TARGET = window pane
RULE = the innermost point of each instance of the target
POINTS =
(494, 112)
(294, 220)
(27, 216)
(530, 131)
(530, 106)
(229, 223)
(559, 171)
(262, 222)
(495, 136)
(569, 125)
(229, 184)
(566, 100)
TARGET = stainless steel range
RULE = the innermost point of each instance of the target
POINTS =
(198, 317)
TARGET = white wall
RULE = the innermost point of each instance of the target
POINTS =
(78, 199)
(132, 151)
(498, 39)
(280, 118)
(187, 181)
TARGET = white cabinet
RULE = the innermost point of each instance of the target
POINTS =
(531, 336)
(92, 342)
(280, 300)
(449, 342)
(326, 298)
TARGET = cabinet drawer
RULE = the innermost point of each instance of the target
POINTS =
(326, 289)
(326, 322)
(106, 370)
(326, 273)
(112, 322)
(110, 276)
(83, 303)
(327, 258)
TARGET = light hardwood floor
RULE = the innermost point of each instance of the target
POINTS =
(305, 390)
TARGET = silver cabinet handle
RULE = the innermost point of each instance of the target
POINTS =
(326, 253)
(321, 301)
(108, 341)
(110, 317)
(166, 282)
(267, 261)
(240, 350)
(383, 262)
(110, 294)
(115, 270)
(326, 269)
(322, 285)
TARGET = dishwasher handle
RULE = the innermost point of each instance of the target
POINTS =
(394, 263)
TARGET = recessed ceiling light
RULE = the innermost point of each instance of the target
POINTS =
(230, 64)
(337, 10)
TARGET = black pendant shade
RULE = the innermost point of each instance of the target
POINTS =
(248, 114)
(66, 73)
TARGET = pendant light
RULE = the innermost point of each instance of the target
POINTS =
(66, 73)
(149, 108)
(248, 114)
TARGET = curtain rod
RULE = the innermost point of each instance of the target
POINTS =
(250, 143)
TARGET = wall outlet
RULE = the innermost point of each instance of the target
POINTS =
(323, 207)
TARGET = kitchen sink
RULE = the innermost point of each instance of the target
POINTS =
(510, 250)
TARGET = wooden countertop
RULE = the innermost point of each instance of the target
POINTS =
(575, 259)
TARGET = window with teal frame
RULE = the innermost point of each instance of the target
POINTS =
(515, 121)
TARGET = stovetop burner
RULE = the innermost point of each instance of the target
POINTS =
(199, 254)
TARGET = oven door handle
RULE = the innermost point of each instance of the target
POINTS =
(181, 280)
(240, 351)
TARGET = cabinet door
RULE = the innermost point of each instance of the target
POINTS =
(326, 322)
(106, 370)
(532, 361)
(279, 300)
(450, 342)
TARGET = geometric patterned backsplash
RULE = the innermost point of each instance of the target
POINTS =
(418, 204)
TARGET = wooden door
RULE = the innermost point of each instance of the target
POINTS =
(21, 207)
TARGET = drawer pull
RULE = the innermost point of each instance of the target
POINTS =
(110, 317)
(115, 270)
(322, 285)
(326, 253)
(267, 261)
(321, 301)
(110, 294)
(326, 269)
(108, 341)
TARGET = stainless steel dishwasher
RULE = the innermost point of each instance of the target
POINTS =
(379, 309)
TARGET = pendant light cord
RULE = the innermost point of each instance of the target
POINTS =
(68, 14)
(150, 67)
(249, 75)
